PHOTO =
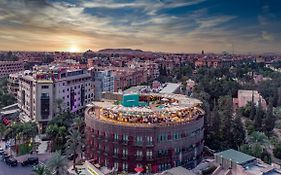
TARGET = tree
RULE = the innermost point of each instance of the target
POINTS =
(213, 129)
(258, 138)
(74, 144)
(269, 121)
(41, 170)
(238, 131)
(3, 129)
(59, 103)
(279, 97)
(225, 111)
(57, 164)
(258, 117)
(277, 151)
(253, 109)
(57, 135)
(257, 146)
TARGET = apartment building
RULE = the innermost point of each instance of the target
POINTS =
(103, 81)
(42, 94)
(9, 67)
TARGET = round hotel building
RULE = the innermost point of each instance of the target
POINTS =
(152, 131)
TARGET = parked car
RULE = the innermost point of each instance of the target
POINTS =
(11, 161)
(1, 151)
(5, 156)
(30, 161)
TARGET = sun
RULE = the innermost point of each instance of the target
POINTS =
(73, 49)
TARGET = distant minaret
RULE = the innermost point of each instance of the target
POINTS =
(202, 52)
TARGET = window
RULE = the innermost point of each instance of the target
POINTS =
(125, 166)
(125, 152)
(116, 150)
(149, 154)
(125, 137)
(139, 140)
(176, 136)
(149, 140)
(139, 153)
(116, 137)
(45, 87)
(116, 166)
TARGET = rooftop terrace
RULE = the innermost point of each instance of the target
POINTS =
(158, 109)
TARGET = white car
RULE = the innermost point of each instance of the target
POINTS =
(1, 150)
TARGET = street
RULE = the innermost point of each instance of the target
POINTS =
(19, 170)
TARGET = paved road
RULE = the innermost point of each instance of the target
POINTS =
(19, 170)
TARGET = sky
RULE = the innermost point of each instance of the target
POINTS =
(190, 26)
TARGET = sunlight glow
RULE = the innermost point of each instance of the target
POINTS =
(73, 49)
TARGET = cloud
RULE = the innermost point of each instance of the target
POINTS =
(266, 36)
(145, 24)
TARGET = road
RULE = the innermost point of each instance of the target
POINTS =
(19, 170)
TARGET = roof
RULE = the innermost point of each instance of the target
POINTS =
(170, 88)
(178, 171)
(236, 156)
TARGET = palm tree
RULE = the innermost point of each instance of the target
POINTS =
(29, 132)
(57, 135)
(3, 129)
(78, 123)
(57, 164)
(258, 138)
(74, 144)
(59, 104)
(41, 170)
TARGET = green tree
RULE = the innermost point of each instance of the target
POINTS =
(253, 108)
(225, 111)
(238, 131)
(57, 135)
(269, 121)
(41, 170)
(74, 144)
(57, 164)
(277, 151)
(279, 97)
(258, 117)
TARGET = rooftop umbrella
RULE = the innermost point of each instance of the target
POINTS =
(139, 169)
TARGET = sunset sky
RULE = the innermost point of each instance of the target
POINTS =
(154, 25)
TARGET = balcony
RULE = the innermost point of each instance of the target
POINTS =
(138, 158)
(115, 156)
(125, 142)
(149, 144)
(124, 157)
(149, 158)
(139, 144)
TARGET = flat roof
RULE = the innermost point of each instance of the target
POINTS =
(170, 88)
(235, 156)
(178, 171)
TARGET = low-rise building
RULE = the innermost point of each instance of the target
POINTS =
(246, 96)
(233, 162)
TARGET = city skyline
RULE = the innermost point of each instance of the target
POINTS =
(162, 25)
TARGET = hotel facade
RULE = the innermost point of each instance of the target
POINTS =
(152, 131)
(44, 93)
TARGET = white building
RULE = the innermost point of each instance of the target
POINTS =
(42, 94)
(104, 82)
